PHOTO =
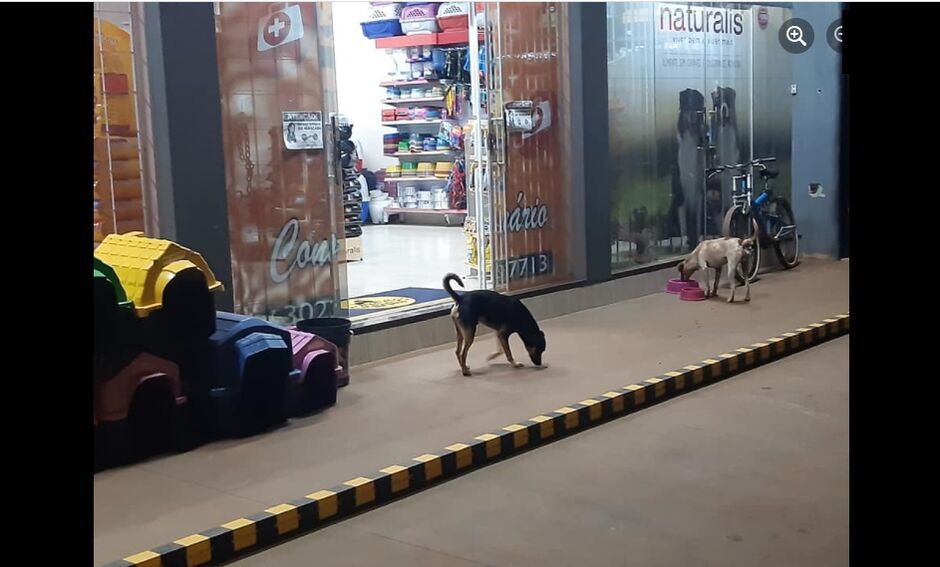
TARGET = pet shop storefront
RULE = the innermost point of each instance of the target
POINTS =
(299, 244)
(690, 86)
(668, 89)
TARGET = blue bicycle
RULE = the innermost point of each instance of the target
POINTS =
(766, 218)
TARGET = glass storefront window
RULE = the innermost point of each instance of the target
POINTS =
(689, 86)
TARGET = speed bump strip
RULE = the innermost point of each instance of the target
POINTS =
(277, 523)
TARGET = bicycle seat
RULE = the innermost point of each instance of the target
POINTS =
(769, 174)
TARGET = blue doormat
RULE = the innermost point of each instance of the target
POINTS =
(397, 298)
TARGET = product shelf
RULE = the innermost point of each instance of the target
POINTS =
(436, 153)
(414, 179)
(397, 210)
(406, 101)
(453, 37)
(410, 83)
(394, 123)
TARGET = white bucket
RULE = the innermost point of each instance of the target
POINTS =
(377, 208)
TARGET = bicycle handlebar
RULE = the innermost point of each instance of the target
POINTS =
(759, 162)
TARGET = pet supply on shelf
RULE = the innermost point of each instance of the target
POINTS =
(409, 198)
(382, 20)
(424, 200)
(419, 19)
(418, 54)
(390, 143)
(442, 169)
(439, 198)
(453, 16)
(388, 115)
(424, 169)
(414, 143)
(402, 68)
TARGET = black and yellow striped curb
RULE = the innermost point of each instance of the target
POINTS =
(256, 531)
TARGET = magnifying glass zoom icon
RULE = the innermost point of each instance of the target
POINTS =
(795, 35)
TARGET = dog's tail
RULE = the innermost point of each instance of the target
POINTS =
(447, 279)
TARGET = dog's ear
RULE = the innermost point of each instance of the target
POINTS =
(681, 268)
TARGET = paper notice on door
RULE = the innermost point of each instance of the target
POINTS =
(303, 130)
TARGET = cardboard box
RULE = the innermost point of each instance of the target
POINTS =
(350, 249)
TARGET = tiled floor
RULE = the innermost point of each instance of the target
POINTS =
(401, 255)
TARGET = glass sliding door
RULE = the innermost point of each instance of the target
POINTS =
(529, 168)
(285, 220)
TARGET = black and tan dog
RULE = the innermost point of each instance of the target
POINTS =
(505, 315)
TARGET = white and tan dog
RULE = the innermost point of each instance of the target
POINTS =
(716, 254)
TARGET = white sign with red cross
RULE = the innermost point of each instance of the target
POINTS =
(280, 28)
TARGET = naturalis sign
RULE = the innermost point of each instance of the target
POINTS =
(298, 253)
(699, 19)
(692, 39)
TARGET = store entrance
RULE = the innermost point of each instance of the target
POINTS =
(403, 80)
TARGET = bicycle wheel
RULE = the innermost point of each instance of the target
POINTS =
(786, 246)
(737, 224)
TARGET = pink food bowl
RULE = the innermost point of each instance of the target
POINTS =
(692, 294)
(676, 285)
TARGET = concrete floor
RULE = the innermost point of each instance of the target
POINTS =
(751, 471)
(402, 407)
